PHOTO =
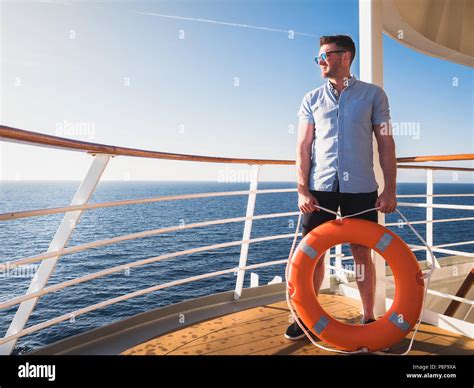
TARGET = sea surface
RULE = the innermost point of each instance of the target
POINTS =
(31, 236)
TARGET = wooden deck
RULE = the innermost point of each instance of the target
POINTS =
(259, 331)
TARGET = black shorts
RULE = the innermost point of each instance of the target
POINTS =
(349, 203)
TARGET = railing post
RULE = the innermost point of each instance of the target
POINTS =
(340, 275)
(371, 70)
(429, 213)
(326, 284)
(239, 284)
(59, 241)
(380, 278)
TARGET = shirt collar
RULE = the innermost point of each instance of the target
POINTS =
(350, 82)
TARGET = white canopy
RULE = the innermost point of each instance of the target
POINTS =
(440, 28)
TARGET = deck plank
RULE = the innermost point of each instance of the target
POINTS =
(259, 331)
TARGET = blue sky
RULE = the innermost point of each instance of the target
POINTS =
(103, 72)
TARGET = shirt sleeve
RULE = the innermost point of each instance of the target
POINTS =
(305, 113)
(381, 109)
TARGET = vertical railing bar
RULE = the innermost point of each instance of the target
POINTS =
(429, 215)
(60, 239)
(380, 277)
(371, 70)
(429, 212)
(340, 275)
(239, 283)
(326, 284)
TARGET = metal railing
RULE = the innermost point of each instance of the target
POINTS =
(103, 153)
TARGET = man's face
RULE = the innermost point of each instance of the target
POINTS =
(330, 67)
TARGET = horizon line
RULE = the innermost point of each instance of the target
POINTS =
(187, 180)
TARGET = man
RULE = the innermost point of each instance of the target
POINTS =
(334, 157)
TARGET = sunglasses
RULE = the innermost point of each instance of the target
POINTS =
(324, 55)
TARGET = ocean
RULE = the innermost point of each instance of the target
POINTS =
(26, 237)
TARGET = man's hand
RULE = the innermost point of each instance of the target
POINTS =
(387, 201)
(307, 203)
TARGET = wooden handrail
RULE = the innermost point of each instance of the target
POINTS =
(35, 138)
(408, 166)
(436, 158)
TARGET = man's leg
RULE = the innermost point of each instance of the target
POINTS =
(365, 278)
(319, 274)
(309, 221)
(329, 200)
(364, 267)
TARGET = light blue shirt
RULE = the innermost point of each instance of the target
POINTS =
(342, 148)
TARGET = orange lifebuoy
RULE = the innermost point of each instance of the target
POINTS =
(395, 324)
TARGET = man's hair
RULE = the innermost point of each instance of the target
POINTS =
(342, 41)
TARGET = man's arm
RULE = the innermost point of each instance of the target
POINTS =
(306, 202)
(388, 161)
